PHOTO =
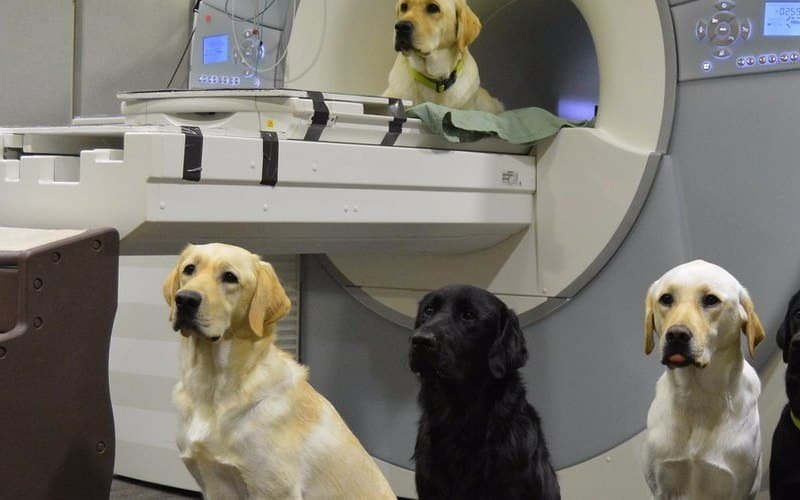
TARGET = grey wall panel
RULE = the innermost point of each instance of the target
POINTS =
(122, 45)
(359, 362)
(587, 374)
(36, 60)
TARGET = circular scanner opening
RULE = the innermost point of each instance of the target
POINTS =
(537, 53)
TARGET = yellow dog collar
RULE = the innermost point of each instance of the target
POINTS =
(439, 85)
(795, 420)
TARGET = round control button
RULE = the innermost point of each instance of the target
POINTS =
(700, 30)
(745, 29)
(794, 56)
(725, 4)
(722, 53)
(762, 59)
(706, 66)
(750, 60)
(740, 62)
(784, 57)
(772, 58)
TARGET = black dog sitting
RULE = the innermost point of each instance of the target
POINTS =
(478, 437)
(784, 466)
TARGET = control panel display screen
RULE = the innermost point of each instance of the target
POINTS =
(215, 49)
(782, 19)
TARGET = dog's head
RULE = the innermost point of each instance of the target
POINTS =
(426, 25)
(462, 332)
(696, 309)
(789, 331)
(216, 289)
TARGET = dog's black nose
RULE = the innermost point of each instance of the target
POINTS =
(404, 27)
(188, 300)
(679, 334)
(423, 338)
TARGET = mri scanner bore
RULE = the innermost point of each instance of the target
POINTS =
(366, 211)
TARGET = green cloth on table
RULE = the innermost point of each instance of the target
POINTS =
(517, 126)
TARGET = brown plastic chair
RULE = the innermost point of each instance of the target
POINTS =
(57, 307)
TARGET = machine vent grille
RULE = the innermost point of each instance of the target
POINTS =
(288, 334)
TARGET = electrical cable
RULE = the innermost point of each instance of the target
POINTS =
(239, 48)
(224, 10)
(322, 34)
(497, 11)
(188, 43)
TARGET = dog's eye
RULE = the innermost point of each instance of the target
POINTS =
(468, 316)
(188, 270)
(432, 8)
(796, 315)
(403, 7)
(666, 300)
(229, 277)
(710, 300)
(427, 311)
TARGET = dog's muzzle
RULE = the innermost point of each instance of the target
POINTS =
(187, 304)
(677, 349)
(403, 36)
(423, 351)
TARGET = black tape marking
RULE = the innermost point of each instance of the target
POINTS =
(269, 164)
(396, 125)
(320, 118)
(192, 153)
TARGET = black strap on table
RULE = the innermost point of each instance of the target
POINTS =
(320, 118)
(396, 125)
(269, 164)
(192, 153)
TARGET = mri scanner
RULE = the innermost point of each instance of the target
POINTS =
(692, 155)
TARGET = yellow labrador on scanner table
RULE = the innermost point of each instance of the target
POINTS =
(433, 63)
(250, 425)
(703, 439)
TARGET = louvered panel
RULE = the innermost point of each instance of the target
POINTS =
(288, 334)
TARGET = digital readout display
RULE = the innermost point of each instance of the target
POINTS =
(215, 49)
(782, 19)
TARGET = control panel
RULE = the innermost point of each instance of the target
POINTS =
(240, 44)
(730, 37)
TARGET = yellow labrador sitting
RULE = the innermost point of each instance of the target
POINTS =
(250, 425)
(703, 439)
(433, 62)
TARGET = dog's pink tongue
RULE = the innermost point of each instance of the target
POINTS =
(677, 359)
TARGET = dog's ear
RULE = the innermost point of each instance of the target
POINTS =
(781, 338)
(752, 325)
(172, 283)
(270, 302)
(649, 320)
(468, 27)
(508, 352)
(785, 332)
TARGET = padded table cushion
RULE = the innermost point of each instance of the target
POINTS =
(58, 298)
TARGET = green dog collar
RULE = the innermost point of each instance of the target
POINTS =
(439, 85)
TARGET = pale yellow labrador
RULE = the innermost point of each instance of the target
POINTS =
(433, 63)
(250, 425)
(703, 438)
